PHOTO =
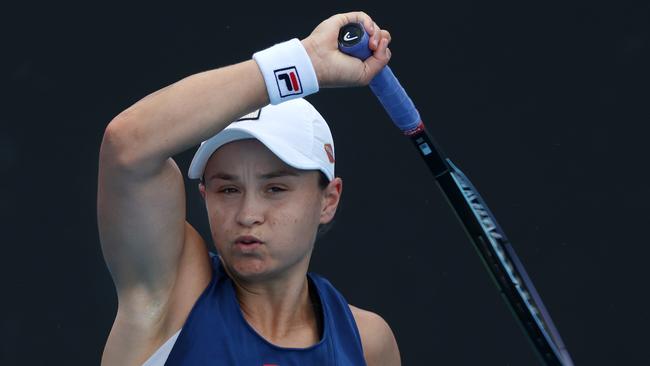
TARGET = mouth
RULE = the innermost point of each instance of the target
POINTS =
(248, 242)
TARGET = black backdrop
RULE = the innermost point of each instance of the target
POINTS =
(544, 106)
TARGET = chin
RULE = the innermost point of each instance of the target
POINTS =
(250, 268)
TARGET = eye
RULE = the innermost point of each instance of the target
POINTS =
(275, 189)
(228, 190)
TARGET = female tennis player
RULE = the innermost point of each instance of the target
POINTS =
(266, 173)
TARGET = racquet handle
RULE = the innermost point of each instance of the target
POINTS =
(353, 40)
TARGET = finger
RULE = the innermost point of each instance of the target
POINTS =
(381, 35)
(382, 52)
(378, 60)
(359, 17)
(386, 34)
(374, 38)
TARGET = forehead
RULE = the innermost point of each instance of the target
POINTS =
(245, 154)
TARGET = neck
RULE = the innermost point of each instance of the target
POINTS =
(281, 309)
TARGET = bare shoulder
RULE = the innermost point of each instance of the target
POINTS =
(378, 340)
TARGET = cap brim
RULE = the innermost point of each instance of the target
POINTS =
(285, 153)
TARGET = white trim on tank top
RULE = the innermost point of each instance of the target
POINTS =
(159, 357)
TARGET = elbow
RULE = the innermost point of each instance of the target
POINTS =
(118, 146)
(129, 147)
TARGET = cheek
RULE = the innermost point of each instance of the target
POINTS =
(301, 212)
(302, 218)
(218, 219)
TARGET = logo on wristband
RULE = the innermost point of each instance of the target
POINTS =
(288, 81)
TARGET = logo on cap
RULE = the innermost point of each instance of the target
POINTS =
(330, 152)
(251, 116)
(288, 81)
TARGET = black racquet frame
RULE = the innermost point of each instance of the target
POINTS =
(495, 250)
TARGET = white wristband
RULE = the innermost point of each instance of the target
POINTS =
(287, 70)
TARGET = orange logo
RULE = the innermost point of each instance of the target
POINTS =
(330, 152)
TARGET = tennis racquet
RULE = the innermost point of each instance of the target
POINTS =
(488, 238)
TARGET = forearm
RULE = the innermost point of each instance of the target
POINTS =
(194, 109)
(183, 114)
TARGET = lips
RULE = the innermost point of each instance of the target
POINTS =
(248, 240)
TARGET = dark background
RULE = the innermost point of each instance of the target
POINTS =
(543, 105)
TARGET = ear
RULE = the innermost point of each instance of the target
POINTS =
(330, 200)
(202, 190)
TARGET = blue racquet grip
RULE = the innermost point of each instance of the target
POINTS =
(353, 40)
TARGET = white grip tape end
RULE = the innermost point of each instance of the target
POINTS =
(287, 70)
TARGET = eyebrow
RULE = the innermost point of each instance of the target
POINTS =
(270, 175)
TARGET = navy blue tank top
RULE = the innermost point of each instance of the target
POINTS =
(216, 333)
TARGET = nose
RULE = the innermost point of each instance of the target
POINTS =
(250, 211)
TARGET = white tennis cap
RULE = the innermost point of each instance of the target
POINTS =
(294, 131)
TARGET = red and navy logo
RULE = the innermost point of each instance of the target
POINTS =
(288, 81)
(330, 152)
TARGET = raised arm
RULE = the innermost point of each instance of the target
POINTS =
(141, 196)
(141, 200)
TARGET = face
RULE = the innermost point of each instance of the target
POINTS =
(264, 214)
